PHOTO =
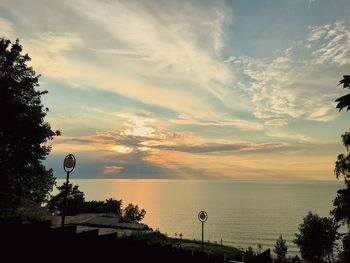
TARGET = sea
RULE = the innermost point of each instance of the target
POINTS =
(240, 213)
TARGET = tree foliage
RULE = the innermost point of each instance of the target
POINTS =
(75, 200)
(344, 101)
(76, 203)
(296, 259)
(24, 135)
(341, 203)
(342, 164)
(280, 250)
(316, 238)
(109, 206)
(345, 254)
(133, 213)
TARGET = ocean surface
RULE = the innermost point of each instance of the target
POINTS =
(241, 213)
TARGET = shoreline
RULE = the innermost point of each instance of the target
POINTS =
(87, 222)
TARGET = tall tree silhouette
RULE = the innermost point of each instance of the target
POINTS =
(344, 101)
(341, 203)
(317, 238)
(24, 135)
(280, 250)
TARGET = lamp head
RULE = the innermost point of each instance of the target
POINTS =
(203, 216)
(69, 163)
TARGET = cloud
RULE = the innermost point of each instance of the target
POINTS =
(6, 28)
(334, 43)
(178, 55)
(223, 147)
(130, 151)
(219, 115)
(116, 143)
(120, 52)
(298, 83)
(49, 52)
(112, 169)
(289, 135)
(310, 2)
(276, 122)
(218, 120)
(167, 154)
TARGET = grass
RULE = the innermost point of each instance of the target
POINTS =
(186, 244)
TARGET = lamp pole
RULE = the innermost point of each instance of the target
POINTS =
(202, 217)
(202, 235)
(68, 166)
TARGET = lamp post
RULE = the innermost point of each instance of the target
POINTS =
(68, 166)
(202, 216)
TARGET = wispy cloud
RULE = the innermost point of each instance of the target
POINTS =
(6, 28)
(218, 120)
(332, 43)
(293, 85)
(289, 135)
(224, 147)
(50, 51)
(178, 55)
(120, 52)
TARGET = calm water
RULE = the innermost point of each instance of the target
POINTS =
(241, 213)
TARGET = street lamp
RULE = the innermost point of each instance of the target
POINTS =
(202, 216)
(68, 166)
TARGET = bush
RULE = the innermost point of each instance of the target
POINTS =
(132, 213)
(32, 211)
(109, 206)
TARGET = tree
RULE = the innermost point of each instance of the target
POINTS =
(24, 135)
(75, 200)
(317, 238)
(345, 254)
(342, 164)
(281, 250)
(76, 203)
(341, 203)
(341, 211)
(112, 206)
(344, 101)
(259, 248)
(133, 213)
(249, 251)
(341, 214)
(109, 206)
(296, 259)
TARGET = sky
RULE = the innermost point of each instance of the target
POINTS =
(240, 90)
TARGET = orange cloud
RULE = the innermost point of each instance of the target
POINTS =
(112, 169)
(122, 149)
(187, 155)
